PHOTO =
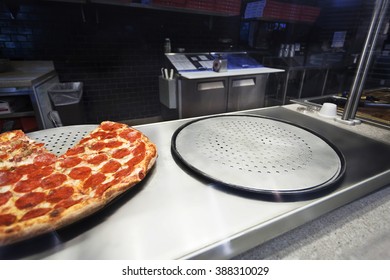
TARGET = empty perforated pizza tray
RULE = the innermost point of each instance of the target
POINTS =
(258, 154)
(58, 140)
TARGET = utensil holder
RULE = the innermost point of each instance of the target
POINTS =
(167, 90)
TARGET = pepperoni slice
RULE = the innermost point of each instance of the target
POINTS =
(53, 181)
(94, 180)
(30, 200)
(84, 140)
(67, 203)
(97, 134)
(18, 134)
(111, 166)
(121, 153)
(4, 197)
(41, 172)
(141, 175)
(111, 126)
(140, 149)
(80, 173)
(34, 213)
(26, 186)
(139, 155)
(17, 146)
(103, 135)
(130, 135)
(8, 177)
(123, 173)
(101, 189)
(26, 169)
(109, 135)
(135, 160)
(97, 146)
(7, 219)
(97, 159)
(75, 151)
(59, 194)
(113, 144)
(44, 159)
(70, 162)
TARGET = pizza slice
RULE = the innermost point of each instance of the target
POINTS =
(40, 192)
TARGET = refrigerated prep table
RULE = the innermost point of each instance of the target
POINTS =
(177, 214)
(201, 91)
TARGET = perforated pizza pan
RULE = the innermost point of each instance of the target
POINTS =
(59, 140)
(258, 154)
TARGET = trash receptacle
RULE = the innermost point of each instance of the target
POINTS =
(66, 99)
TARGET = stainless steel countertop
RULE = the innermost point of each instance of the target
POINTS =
(26, 73)
(229, 73)
(173, 214)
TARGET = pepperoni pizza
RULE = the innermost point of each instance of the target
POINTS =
(40, 192)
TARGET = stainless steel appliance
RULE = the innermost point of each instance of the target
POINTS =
(202, 91)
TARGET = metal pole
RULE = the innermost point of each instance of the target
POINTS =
(365, 60)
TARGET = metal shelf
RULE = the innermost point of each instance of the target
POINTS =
(17, 115)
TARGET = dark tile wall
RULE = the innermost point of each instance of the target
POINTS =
(115, 51)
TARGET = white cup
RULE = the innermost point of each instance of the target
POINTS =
(328, 110)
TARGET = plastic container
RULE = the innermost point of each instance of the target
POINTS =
(66, 99)
(167, 45)
(328, 110)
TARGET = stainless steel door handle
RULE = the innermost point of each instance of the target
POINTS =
(210, 85)
(243, 83)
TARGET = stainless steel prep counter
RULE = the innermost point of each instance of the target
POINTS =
(173, 214)
(26, 73)
(197, 90)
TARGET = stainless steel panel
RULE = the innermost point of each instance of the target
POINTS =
(41, 102)
(202, 97)
(246, 92)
